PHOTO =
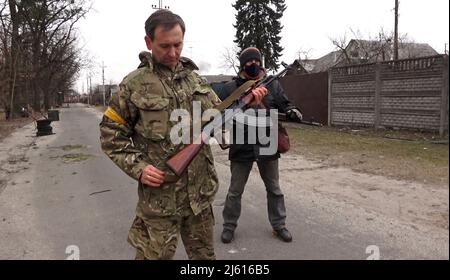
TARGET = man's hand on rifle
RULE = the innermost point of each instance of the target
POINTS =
(258, 94)
(295, 115)
(152, 176)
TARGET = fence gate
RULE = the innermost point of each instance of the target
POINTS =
(309, 92)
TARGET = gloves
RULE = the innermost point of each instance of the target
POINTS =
(294, 114)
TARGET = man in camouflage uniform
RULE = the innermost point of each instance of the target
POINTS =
(135, 134)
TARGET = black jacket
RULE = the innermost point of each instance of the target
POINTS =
(275, 99)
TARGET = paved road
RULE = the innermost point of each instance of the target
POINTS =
(61, 190)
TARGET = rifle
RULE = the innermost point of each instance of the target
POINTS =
(311, 123)
(283, 117)
(238, 100)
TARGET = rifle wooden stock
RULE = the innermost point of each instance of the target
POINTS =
(179, 162)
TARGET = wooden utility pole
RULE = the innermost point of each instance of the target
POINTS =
(89, 88)
(103, 79)
(396, 32)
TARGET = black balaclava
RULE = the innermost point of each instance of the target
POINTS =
(249, 54)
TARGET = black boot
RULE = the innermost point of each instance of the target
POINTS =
(227, 235)
(283, 234)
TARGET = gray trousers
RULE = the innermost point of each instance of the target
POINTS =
(275, 198)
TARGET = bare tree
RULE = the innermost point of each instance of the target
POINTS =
(340, 44)
(51, 26)
(370, 49)
(11, 50)
(303, 57)
(230, 59)
(39, 46)
(304, 54)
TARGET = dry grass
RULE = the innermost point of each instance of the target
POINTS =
(8, 126)
(403, 155)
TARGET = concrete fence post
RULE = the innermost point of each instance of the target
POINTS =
(377, 99)
(330, 95)
(444, 98)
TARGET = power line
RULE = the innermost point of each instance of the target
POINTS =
(160, 6)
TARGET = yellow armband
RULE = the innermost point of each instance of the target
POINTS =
(112, 115)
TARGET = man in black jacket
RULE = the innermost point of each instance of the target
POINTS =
(242, 156)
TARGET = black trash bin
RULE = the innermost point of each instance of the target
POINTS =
(44, 127)
(53, 115)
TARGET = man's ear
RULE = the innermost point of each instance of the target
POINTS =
(148, 42)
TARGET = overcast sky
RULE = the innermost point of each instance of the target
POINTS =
(113, 32)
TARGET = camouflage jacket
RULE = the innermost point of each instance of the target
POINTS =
(139, 134)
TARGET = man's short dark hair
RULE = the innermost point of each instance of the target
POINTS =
(165, 18)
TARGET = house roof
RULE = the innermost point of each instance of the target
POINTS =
(405, 50)
(372, 50)
(325, 62)
(217, 78)
(296, 68)
(412, 50)
(309, 64)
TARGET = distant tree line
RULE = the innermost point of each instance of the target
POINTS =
(39, 53)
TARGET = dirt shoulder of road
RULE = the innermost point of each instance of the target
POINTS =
(9, 126)
(405, 155)
(399, 175)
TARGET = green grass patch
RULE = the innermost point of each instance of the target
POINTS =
(76, 157)
(73, 147)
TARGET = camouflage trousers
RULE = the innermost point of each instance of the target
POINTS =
(157, 238)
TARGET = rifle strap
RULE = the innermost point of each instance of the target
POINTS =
(235, 95)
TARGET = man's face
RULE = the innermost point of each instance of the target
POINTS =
(166, 46)
(253, 61)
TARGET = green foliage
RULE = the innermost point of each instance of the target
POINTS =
(258, 25)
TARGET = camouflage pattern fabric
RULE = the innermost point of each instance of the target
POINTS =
(157, 239)
(145, 101)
